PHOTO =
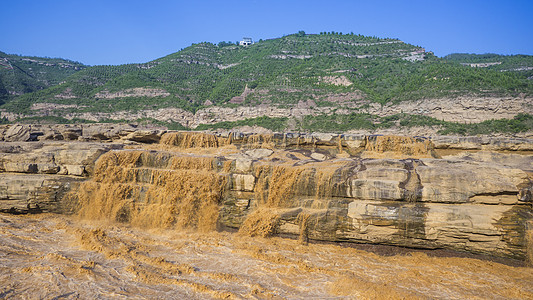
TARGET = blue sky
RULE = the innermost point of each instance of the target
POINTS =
(117, 32)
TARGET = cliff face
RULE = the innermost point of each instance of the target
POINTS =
(461, 110)
(470, 194)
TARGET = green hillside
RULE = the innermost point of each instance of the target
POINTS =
(519, 64)
(25, 74)
(327, 70)
(281, 72)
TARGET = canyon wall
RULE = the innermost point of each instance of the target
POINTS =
(463, 193)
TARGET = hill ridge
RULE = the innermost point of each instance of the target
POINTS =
(326, 73)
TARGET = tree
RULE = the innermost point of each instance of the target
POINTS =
(301, 33)
(224, 44)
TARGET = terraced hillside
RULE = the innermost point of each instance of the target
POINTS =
(283, 80)
(520, 64)
(26, 74)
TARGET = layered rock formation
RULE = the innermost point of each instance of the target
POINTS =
(82, 132)
(461, 110)
(35, 176)
(470, 194)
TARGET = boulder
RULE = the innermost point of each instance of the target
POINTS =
(259, 153)
(318, 156)
(145, 136)
(242, 182)
(75, 170)
(18, 133)
(20, 167)
(456, 182)
(107, 131)
(22, 193)
(243, 164)
(71, 134)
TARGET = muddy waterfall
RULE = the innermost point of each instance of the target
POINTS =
(128, 212)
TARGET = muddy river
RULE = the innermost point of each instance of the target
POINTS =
(51, 256)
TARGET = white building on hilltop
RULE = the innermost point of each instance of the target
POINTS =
(246, 41)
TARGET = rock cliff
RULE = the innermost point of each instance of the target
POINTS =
(468, 193)
(462, 110)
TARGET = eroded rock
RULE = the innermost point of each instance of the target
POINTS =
(476, 201)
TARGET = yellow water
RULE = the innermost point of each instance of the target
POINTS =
(46, 256)
(193, 140)
(529, 243)
(145, 227)
(184, 193)
(187, 140)
(392, 146)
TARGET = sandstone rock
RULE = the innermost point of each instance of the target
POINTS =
(354, 143)
(468, 227)
(259, 153)
(145, 136)
(76, 170)
(107, 131)
(475, 201)
(324, 137)
(514, 161)
(489, 143)
(51, 158)
(243, 182)
(384, 163)
(460, 109)
(17, 133)
(375, 189)
(71, 134)
(47, 168)
(24, 192)
(395, 174)
(51, 136)
(243, 165)
(452, 181)
(318, 156)
(28, 159)
(10, 148)
(82, 155)
(20, 167)
(496, 199)
(457, 142)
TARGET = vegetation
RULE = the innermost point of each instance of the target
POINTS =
(49, 120)
(280, 72)
(519, 64)
(26, 74)
(286, 70)
(520, 123)
(225, 44)
(342, 123)
(274, 124)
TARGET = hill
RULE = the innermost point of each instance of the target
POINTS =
(25, 74)
(283, 80)
(519, 64)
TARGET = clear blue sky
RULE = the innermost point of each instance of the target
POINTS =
(116, 32)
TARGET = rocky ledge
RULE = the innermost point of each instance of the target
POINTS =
(463, 193)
